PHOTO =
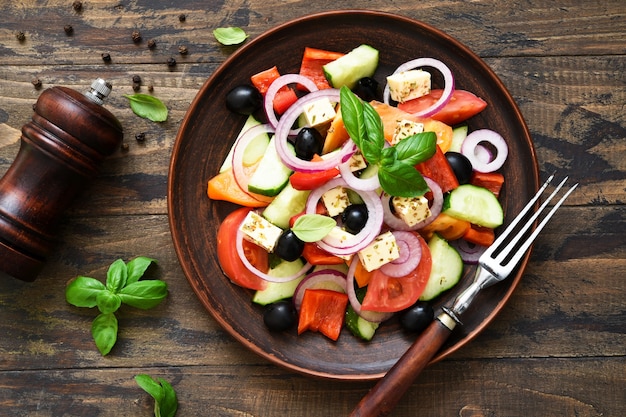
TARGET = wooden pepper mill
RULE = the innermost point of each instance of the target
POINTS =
(60, 151)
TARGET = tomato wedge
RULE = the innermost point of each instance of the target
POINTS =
(388, 294)
(228, 258)
(462, 106)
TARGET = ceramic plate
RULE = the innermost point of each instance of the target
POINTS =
(208, 130)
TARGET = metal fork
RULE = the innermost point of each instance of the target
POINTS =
(494, 265)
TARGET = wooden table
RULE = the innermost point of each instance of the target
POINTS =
(557, 349)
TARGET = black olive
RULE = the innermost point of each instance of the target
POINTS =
(461, 166)
(367, 89)
(354, 218)
(308, 143)
(417, 317)
(244, 99)
(289, 247)
(280, 316)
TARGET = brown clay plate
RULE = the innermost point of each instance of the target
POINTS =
(209, 129)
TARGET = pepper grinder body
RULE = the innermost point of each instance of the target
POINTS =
(61, 149)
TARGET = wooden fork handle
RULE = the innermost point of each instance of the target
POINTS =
(384, 396)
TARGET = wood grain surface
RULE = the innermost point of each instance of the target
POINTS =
(557, 348)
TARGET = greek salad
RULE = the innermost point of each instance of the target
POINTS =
(357, 201)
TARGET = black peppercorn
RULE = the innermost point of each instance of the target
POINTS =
(68, 29)
(20, 36)
(36, 83)
(136, 36)
(183, 50)
(106, 57)
(150, 88)
(182, 17)
(140, 137)
(151, 43)
(137, 79)
(171, 62)
(77, 5)
(136, 86)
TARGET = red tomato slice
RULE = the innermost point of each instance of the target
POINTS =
(462, 106)
(227, 256)
(388, 294)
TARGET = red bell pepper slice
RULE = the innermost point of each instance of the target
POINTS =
(493, 181)
(438, 169)
(323, 311)
(312, 180)
(284, 98)
(478, 235)
(312, 65)
(318, 256)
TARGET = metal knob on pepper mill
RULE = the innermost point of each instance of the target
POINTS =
(60, 151)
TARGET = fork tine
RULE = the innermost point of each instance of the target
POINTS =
(500, 240)
(510, 246)
(518, 255)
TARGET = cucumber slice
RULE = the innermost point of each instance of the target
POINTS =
(255, 149)
(350, 68)
(276, 291)
(271, 175)
(474, 204)
(447, 268)
(360, 327)
(287, 204)
(459, 134)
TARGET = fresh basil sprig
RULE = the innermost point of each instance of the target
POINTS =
(122, 286)
(165, 400)
(148, 107)
(396, 164)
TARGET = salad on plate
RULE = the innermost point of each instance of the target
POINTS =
(357, 203)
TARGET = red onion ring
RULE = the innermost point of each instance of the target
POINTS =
(242, 143)
(322, 279)
(396, 223)
(369, 184)
(283, 131)
(470, 253)
(263, 275)
(447, 78)
(473, 140)
(410, 250)
(369, 232)
(279, 83)
(373, 316)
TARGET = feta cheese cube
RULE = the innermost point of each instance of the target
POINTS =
(335, 200)
(319, 113)
(411, 210)
(357, 162)
(260, 231)
(382, 250)
(340, 235)
(406, 128)
(407, 85)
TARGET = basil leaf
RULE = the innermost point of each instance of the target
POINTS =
(150, 386)
(144, 294)
(169, 403)
(417, 148)
(82, 291)
(165, 399)
(116, 276)
(148, 107)
(230, 35)
(374, 133)
(104, 332)
(108, 302)
(313, 227)
(402, 180)
(352, 115)
(137, 267)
